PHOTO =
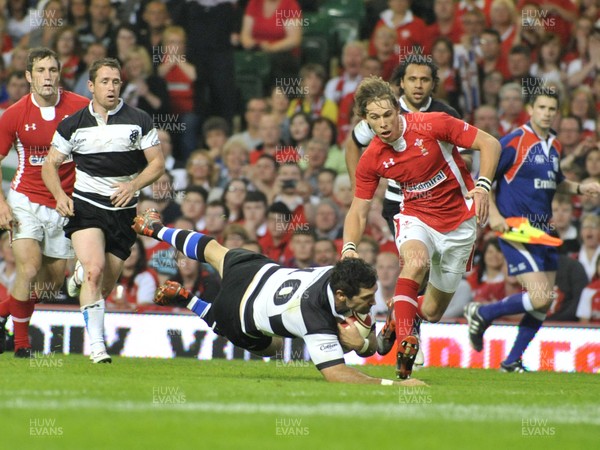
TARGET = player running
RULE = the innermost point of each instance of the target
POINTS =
(28, 212)
(436, 225)
(261, 302)
(528, 176)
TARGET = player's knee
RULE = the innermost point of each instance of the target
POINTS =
(93, 274)
(28, 271)
(431, 313)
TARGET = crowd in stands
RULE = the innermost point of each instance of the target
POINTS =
(268, 173)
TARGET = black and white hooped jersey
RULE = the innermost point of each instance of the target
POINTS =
(105, 153)
(363, 134)
(295, 303)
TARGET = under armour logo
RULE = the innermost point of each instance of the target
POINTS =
(388, 164)
(29, 127)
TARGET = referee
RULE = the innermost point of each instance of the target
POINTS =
(116, 152)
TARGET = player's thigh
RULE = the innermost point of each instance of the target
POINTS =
(414, 243)
(28, 254)
(275, 348)
(89, 245)
(453, 256)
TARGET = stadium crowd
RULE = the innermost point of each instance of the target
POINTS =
(265, 170)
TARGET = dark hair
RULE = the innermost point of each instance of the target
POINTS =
(329, 241)
(305, 231)
(373, 89)
(331, 126)
(520, 50)
(215, 123)
(104, 62)
(219, 204)
(494, 33)
(198, 190)
(350, 275)
(279, 208)
(419, 60)
(256, 196)
(576, 118)
(19, 74)
(492, 242)
(328, 170)
(270, 158)
(112, 48)
(37, 53)
(544, 92)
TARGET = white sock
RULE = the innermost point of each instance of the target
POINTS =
(93, 315)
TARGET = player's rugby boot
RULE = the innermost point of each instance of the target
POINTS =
(74, 282)
(100, 357)
(516, 366)
(172, 293)
(477, 325)
(406, 356)
(147, 223)
(387, 335)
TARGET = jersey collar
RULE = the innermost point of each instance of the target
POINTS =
(399, 145)
(405, 107)
(112, 112)
(34, 101)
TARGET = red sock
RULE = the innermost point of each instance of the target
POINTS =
(21, 313)
(4, 307)
(405, 306)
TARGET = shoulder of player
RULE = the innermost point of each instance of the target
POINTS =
(439, 106)
(17, 109)
(73, 98)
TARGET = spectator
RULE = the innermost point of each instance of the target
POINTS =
(562, 220)
(492, 57)
(17, 59)
(94, 52)
(198, 278)
(342, 192)
(275, 241)
(155, 20)
(583, 105)
(590, 243)
(136, 284)
(100, 28)
(193, 206)
(325, 183)
(215, 132)
(163, 258)
(300, 124)
(473, 24)
(274, 27)
(172, 166)
(592, 163)
(590, 204)
(588, 310)
(289, 176)
(265, 176)
(255, 108)
(586, 65)
(16, 87)
(252, 246)
(388, 270)
(549, 66)
(201, 170)
(123, 41)
(486, 119)
(325, 130)
(448, 88)
(571, 280)
(385, 50)
(314, 103)
(570, 136)
(254, 210)
(488, 282)
(279, 104)
(328, 220)
(492, 83)
(326, 253)
(447, 22)
(18, 17)
(503, 19)
(44, 25)
(163, 193)
(519, 65)
(368, 249)
(558, 14)
(234, 236)
(411, 31)
(233, 197)
(217, 217)
(77, 14)
(302, 246)
(315, 157)
(235, 160)
(66, 45)
(513, 113)
(180, 76)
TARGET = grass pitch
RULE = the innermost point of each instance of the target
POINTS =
(65, 402)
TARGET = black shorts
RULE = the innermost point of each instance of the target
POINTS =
(239, 268)
(116, 226)
(390, 209)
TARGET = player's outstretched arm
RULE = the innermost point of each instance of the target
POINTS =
(341, 373)
(64, 204)
(354, 226)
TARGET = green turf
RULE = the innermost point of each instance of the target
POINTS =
(185, 404)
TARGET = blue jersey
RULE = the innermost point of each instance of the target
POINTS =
(527, 176)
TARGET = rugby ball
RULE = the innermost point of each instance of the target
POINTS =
(362, 322)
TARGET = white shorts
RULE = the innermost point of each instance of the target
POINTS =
(450, 254)
(41, 223)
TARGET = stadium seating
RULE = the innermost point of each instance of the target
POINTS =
(252, 71)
